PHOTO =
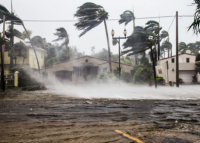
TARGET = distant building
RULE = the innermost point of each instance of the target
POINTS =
(186, 68)
(77, 70)
(30, 61)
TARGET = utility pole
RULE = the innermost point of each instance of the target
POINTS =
(2, 57)
(177, 62)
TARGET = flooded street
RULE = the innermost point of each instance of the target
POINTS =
(45, 117)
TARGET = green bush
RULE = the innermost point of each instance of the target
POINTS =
(24, 77)
(142, 74)
(126, 76)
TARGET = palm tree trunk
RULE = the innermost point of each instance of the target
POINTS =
(12, 44)
(32, 48)
(109, 54)
(67, 52)
(158, 48)
(168, 52)
(136, 59)
(23, 62)
(154, 68)
(2, 69)
(15, 62)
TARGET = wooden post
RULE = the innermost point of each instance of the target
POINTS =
(177, 62)
(2, 58)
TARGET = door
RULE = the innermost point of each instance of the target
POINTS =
(63, 75)
(186, 76)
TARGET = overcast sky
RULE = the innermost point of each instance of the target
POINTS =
(65, 9)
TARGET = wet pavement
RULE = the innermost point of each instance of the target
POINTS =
(45, 117)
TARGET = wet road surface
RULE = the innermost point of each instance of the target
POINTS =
(42, 117)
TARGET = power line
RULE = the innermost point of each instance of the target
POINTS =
(171, 24)
(107, 20)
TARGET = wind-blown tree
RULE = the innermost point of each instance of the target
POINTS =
(167, 46)
(63, 36)
(192, 48)
(11, 33)
(196, 22)
(90, 15)
(21, 46)
(182, 47)
(11, 17)
(126, 17)
(197, 46)
(139, 42)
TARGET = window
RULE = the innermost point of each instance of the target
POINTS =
(173, 60)
(187, 60)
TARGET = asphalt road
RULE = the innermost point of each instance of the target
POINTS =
(42, 117)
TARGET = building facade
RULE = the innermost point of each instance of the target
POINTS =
(77, 70)
(186, 68)
(29, 61)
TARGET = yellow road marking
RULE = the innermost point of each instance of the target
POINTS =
(126, 135)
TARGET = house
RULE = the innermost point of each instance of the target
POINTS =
(186, 68)
(77, 70)
(29, 61)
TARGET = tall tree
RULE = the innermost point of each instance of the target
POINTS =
(167, 45)
(63, 36)
(126, 17)
(182, 47)
(17, 21)
(90, 15)
(139, 42)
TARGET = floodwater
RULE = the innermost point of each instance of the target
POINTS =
(126, 91)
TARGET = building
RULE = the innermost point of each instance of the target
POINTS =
(77, 70)
(29, 61)
(186, 68)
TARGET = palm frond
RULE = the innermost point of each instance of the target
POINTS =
(126, 17)
(89, 15)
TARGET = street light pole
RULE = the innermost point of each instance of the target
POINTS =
(113, 33)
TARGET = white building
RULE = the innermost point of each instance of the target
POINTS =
(186, 68)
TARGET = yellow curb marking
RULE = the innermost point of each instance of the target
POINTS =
(126, 135)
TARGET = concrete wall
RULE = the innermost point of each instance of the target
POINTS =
(32, 58)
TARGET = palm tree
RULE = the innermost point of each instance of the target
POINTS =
(90, 15)
(195, 23)
(139, 42)
(17, 21)
(11, 33)
(192, 48)
(62, 35)
(182, 47)
(166, 45)
(126, 17)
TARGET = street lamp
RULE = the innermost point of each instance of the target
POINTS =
(113, 33)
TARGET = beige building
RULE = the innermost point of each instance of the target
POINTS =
(29, 61)
(77, 70)
(186, 68)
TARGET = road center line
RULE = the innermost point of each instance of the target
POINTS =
(130, 137)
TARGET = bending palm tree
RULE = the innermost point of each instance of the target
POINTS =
(62, 35)
(15, 20)
(90, 15)
(166, 45)
(182, 47)
(139, 42)
(126, 17)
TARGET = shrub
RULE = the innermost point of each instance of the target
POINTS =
(143, 74)
(24, 77)
(126, 76)
(144, 61)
